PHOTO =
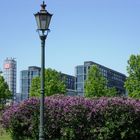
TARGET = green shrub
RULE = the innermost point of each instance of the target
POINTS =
(75, 118)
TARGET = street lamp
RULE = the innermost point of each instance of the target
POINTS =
(43, 19)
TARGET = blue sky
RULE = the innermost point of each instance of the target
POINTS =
(104, 31)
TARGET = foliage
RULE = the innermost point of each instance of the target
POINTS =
(4, 91)
(53, 84)
(111, 92)
(96, 84)
(132, 83)
(75, 118)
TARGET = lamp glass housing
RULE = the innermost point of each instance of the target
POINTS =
(43, 20)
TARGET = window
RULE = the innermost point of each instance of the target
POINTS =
(80, 78)
(80, 87)
(80, 70)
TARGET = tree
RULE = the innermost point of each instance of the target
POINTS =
(53, 84)
(4, 92)
(132, 83)
(96, 84)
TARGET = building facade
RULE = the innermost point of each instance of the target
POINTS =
(114, 78)
(26, 77)
(69, 81)
(10, 74)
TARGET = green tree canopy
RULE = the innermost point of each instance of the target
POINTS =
(132, 83)
(53, 84)
(96, 84)
(4, 91)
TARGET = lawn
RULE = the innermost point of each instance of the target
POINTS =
(5, 136)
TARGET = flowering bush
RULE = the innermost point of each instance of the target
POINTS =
(75, 118)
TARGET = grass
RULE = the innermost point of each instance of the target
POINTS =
(5, 136)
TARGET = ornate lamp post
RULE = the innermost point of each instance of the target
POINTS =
(43, 19)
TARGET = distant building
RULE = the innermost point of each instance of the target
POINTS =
(10, 74)
(69, 81)
(114, 78)
(26, 77)
(18, 97)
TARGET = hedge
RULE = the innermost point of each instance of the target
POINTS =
(75, 118)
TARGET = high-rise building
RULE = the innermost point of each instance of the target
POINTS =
(26, 77)
(9, 73)
(114, 78)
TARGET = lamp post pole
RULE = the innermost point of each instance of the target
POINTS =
(41, 127)
(43, 19)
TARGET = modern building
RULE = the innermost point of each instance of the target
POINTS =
(70, 83)
(18, 97)
(10, 74)
(26, 77)
(114, 78)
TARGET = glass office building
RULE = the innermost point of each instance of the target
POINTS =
(114, 78)
(69, 81)
(9, 73)
(26, 77)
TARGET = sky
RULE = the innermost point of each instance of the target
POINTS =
(104, 31)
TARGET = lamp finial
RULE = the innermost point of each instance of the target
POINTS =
(43, 6)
